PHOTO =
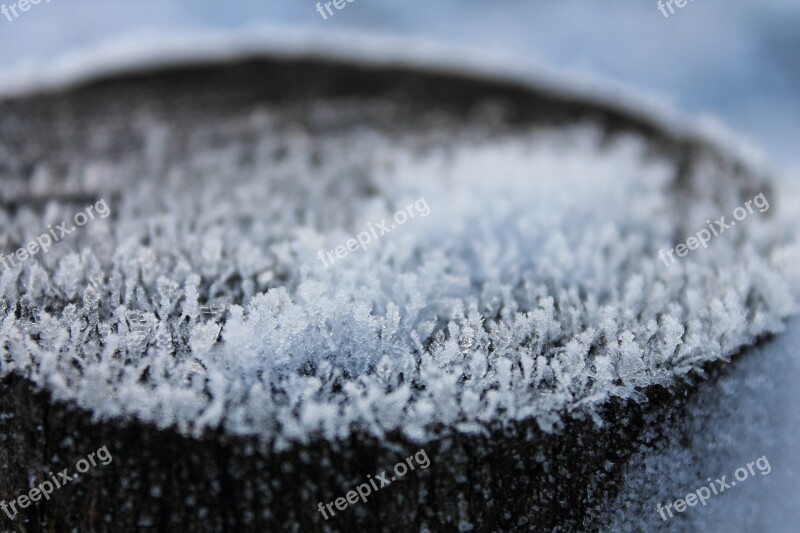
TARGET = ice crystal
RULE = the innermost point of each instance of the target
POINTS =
(532, 289)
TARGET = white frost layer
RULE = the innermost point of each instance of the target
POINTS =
(531, 290)
(143, 51)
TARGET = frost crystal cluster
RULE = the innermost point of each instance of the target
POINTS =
(532, 290)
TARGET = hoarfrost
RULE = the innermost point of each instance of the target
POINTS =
(532, 289)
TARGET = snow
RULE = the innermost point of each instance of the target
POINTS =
(533, 289)
(747, 413)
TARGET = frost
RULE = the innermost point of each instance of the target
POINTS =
(533, 289)
(746, 412)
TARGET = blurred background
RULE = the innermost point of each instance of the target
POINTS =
(735, 60)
